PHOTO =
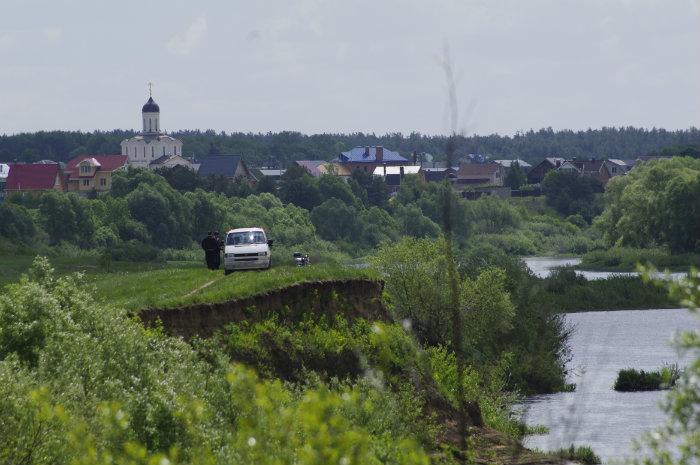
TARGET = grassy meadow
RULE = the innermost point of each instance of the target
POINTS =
(167, 284)
(173, 287)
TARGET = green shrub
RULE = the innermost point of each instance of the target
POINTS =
(135, 251)
(631, 380)
(625, 258)
(565, 291)
(81, 383)
(581, 454)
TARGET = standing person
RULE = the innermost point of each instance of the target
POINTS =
(220, 247)
(211, 251)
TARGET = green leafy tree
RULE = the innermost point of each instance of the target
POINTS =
(266, 184)
(180, 178)
(412, 222)
(66, 217)
(208, 212)
(335, 220)
(302, 191)
(331, 186)
(516, 176)
(570, 193)
(377, 191)
(655, 204)
(17, 223)
(164, 212)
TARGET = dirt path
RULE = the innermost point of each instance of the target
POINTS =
(205, 285)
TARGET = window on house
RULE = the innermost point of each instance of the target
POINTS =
(144, 152)
(86, 182)
(163, 150)
(153, 152)
(103, 182)
(175, 150)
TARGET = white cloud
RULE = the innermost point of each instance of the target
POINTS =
(183, 44)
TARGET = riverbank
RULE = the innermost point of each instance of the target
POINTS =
(568, 292)
(626, 259)
(594, 414)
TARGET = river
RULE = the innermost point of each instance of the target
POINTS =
(602, 344)
(543, 266)
(595, 414)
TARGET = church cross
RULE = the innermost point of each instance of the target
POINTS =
(150, 89)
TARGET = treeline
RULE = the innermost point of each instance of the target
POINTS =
(279, 149)
(146, 212)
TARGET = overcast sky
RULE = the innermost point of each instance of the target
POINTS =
(345, 66)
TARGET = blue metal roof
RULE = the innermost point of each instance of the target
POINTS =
(359, 155)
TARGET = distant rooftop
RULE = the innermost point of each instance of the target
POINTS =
(507, 163)
(368, 154)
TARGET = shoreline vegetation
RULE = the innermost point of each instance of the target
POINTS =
(570, 293)
(581, 454)
(627, 259)
(632, 380)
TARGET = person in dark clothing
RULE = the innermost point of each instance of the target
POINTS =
(220, 245)
(211, 251)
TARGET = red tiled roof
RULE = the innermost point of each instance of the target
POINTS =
(107, 163)
(32, 177)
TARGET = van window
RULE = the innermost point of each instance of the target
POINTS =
(246, 237)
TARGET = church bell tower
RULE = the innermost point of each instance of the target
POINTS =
(151, 114)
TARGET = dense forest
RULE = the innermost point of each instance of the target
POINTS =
(278, 149)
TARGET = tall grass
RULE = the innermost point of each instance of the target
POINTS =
(168, 288)
(565, 291)
(626, 259)
(631, 380)
(581, 454)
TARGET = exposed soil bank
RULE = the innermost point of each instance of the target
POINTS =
(353, 298)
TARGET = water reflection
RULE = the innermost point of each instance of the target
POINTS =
(595, 415)
(543, 267)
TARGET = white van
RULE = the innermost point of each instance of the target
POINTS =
(246, 248)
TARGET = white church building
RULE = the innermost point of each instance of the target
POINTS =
(152, 144)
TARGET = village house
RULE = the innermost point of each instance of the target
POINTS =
(393, 176)
(508, 163)
(167, 161)
(479, 174)
(539, 171)
(35, 178)
(273, 173)
(227, 166)
(317, 168)
(4, 172)
(439, 174)
(617, 167)
(369, 158)
(86, 173)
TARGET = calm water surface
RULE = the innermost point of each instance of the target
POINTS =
(595, 415)
(543, 266)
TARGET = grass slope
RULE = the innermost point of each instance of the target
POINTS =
(13, 266)
(169, 288)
